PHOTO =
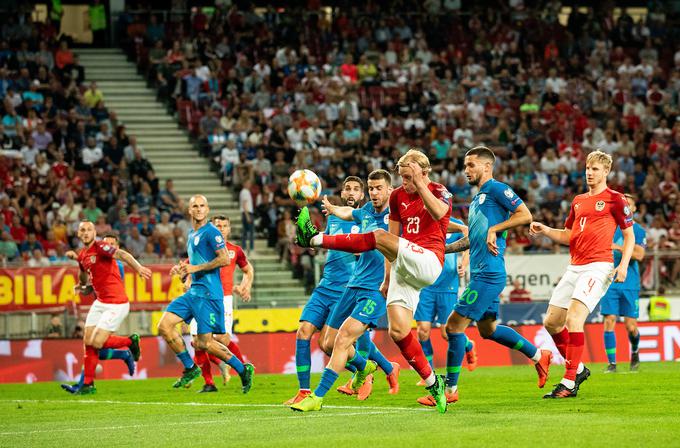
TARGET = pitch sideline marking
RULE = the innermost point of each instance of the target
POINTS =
(228, 405)
(199, 422)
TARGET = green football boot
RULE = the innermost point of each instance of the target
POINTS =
(188, 377)
(310, 403)
(247, 377)
(438, 392)
(134, 347)
(305, 230)
(86, 389)
(360, 376)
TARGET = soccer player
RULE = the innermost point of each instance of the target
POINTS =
(622, 299)
(336, 273)
(494, 210)
(420, 209)
(104, 353)
(97, 261)
(588, 230)
(236, 258)
(204, 299)
(361, 305)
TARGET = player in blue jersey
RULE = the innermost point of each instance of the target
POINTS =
(622, 299)
(203, 301)
(362, 304)
(104, 353)
(336, 273)
(494, 210)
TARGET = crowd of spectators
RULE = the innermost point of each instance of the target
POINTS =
(66, 157)
(269, 92)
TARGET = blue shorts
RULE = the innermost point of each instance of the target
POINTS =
(481, 299)
(365, 305)
(621, 302)
(435, 306)
(319, 306)
(209, 314)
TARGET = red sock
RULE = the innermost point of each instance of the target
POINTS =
(117, 342)
(202, 359)
(90, 364)
(574, 352)
(413, 353)
(351, 242)
(561, 341)
(214, 359)
(235, 350)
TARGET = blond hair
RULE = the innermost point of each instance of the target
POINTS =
(416, 156)
(600, 157)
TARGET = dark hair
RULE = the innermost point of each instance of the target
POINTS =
(482, 152)
(111, 235)
(381, 174)
(353, 179)
(220, 218)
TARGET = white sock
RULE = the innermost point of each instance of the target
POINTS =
(452, 389)
(537, 356)
(429, 381)
(580, 368)
(316, 240)
(569, 383)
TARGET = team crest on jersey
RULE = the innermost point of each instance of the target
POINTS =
(106, 247)
(482, 198)
(93, 259)
(232, 254)
(197, 238)
(599, 206)
(508, 193)
(354, 229)
(386, 219)
(218, 238)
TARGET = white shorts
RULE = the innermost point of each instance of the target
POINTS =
(107, 316)
(586, 283)
(228, 317)
(414, 269)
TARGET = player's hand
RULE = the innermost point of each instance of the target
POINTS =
(175, 269)
(71, 254)
(326, 206)
(536, 228)
(620, 274)
(417, 174)
(461, 270)
(491, 242)
(144, 272)
(186, 269)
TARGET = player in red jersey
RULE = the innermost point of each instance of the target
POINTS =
(589, 231)
(420, 211)
(236, 258)
(97, 261)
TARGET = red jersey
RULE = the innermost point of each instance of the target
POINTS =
(596, 218)
(236, 257)
(104, 273)
(417, 225)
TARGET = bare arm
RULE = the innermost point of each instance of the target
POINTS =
(521, 216)
(458, 246)
(344, 213)
(246, 282)
(133, 263)
(435, 207)
(221, 259)
(454, 227)
(638, 251)
(560, 236)
(628, 244)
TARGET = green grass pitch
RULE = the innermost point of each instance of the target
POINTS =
(499, 406)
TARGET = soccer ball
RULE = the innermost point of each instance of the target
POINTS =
(304, 187)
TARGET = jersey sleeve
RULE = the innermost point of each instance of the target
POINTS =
(640, 236)
(621, 212)
(215, 240)
(394, 206)
(440, 192)
(570, 219)
(241, 259)
(356, 215)
(105, 250)
(506, 197)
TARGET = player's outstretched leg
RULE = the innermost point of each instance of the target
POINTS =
(125, 355)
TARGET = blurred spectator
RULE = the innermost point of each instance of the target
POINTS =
(54, 328)
(247, 209)
(518, 293)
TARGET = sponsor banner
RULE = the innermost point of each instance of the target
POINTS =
(27, 361)
(29, 289)
(536, 273)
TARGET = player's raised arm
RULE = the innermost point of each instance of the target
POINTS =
(436, 207)
(454, 227)
(128, 259)
(342, 212)
(560, 236)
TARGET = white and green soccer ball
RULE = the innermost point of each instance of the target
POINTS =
(304, 187)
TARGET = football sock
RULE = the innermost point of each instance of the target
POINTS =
(376, 355)
(427, 350)
(350, 368)
(236, 350)
(114, 341)
(236, 364)
(109, 353)
(303, 361)
(327, 380)
(203, 361)
(454, 358)
(186, 360)
(468, 344)
(411, 351)
(351, 242)
(610, 346)
(561, 341)
(510, 338)
(90, 364)
(81, 380)
(574, 352)
(214, 359)
(634, 341)
(358, 361)
(363, 345)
